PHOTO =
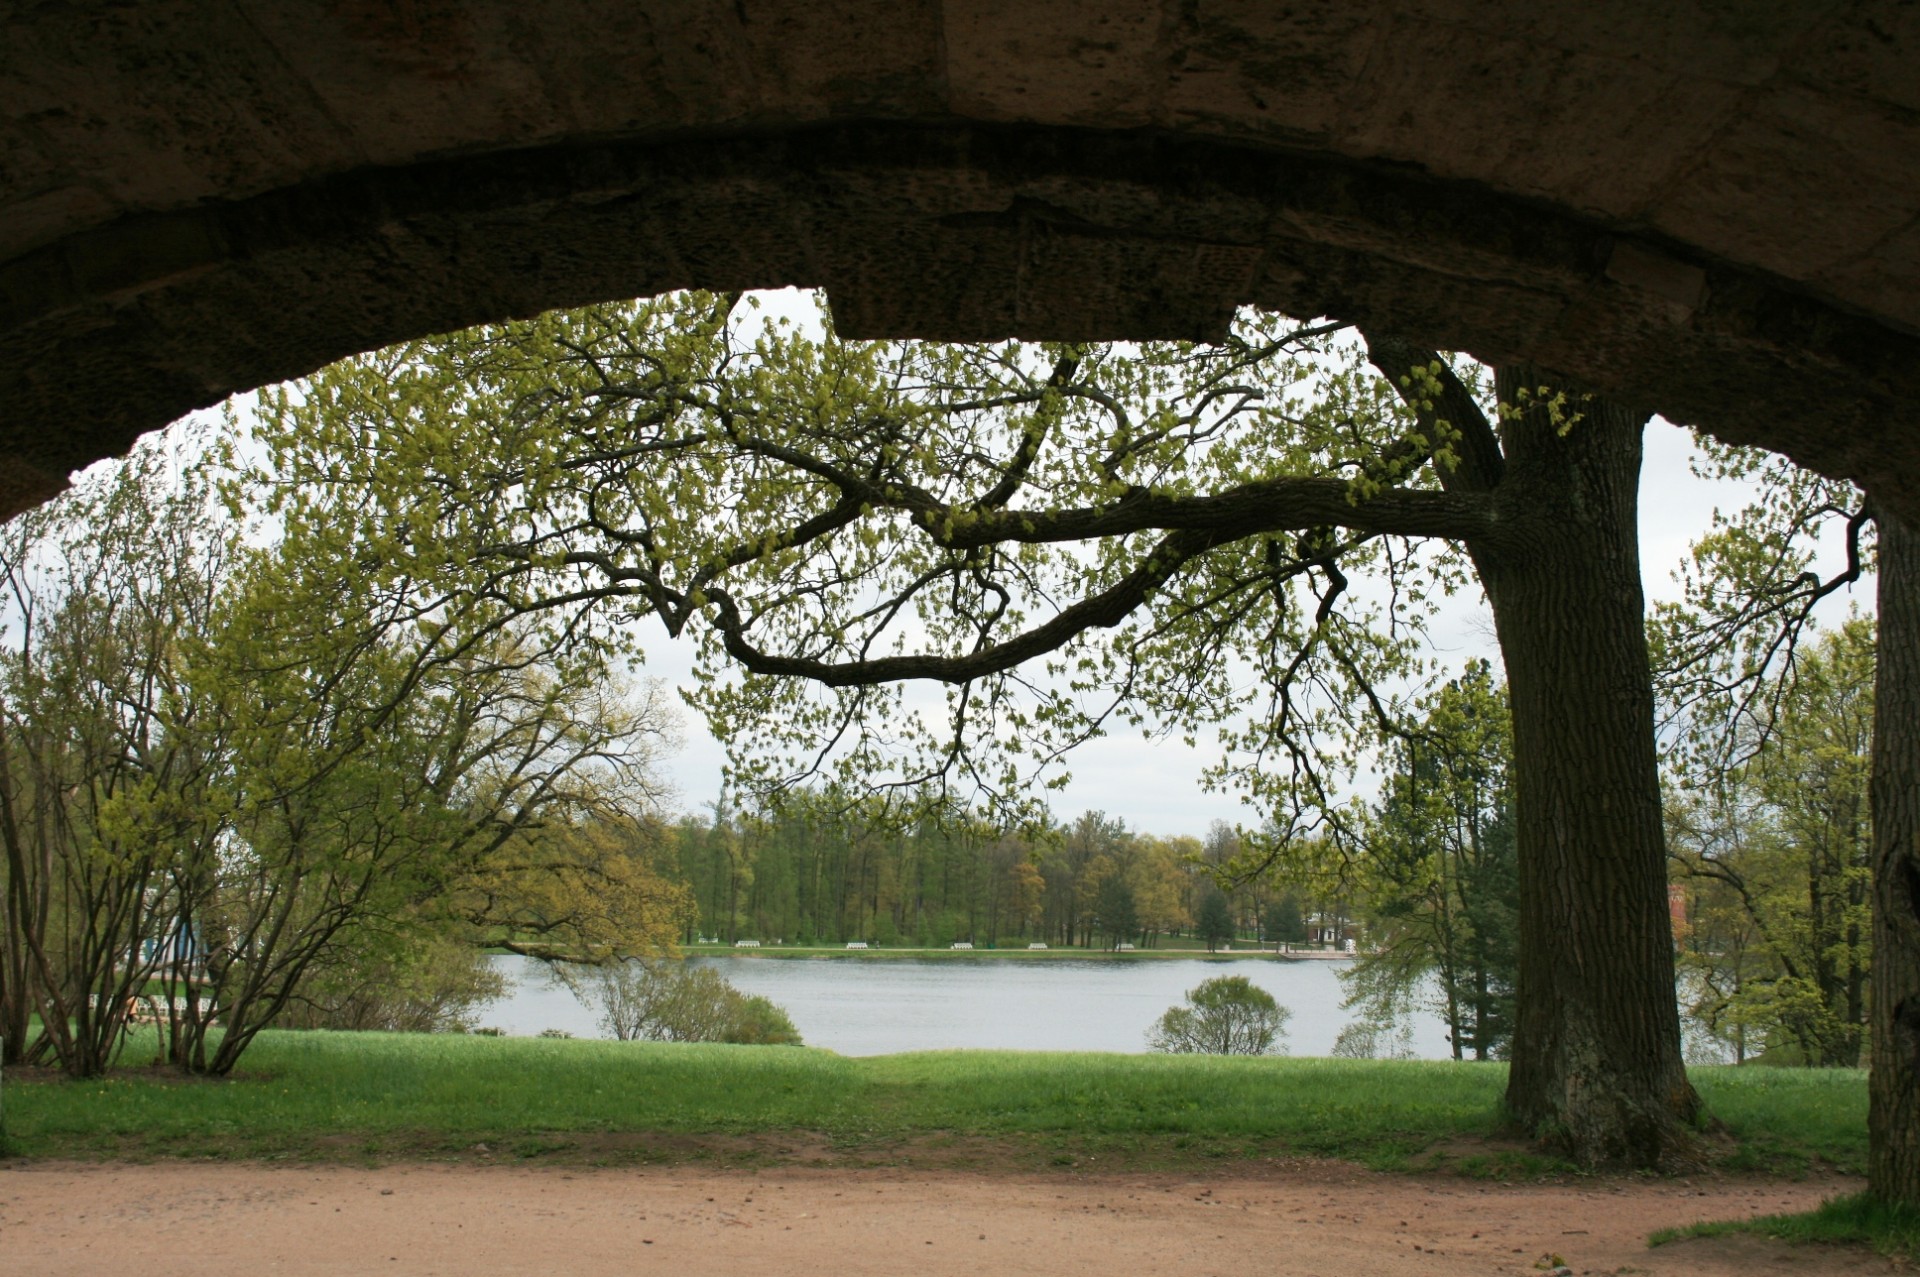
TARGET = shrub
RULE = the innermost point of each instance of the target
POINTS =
(760, 1023)
(662, 1000)
(1227, 1015)
(432, 985)
(1369, 1040)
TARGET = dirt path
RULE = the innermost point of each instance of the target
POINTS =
(472, 1221)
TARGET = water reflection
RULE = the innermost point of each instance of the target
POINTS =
(877, 1008)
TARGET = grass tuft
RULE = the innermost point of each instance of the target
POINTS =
(1892, 1229)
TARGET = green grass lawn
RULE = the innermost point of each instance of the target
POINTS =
(392, 1095)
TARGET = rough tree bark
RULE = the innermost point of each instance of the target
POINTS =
(1893, 1122)
(1597, 1063)
(1596, 1059)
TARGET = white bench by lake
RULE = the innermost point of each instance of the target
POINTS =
(856, 944)
(746, 944)
(1036, 946)
(1123, 948)
(961, 944)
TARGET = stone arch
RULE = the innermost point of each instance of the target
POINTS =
(1710, 216)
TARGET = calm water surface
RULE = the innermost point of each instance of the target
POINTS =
(877, 1008)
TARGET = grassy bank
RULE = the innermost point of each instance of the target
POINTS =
(394, 1095)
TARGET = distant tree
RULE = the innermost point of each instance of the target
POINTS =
(1775, 851)
(1114, 911)
(1441, 872)
(1020, 887)
(1227, 1015)
(1216, 920)
(1162, 880)
(1071, 863)
(758, 1021)
(1285, 924)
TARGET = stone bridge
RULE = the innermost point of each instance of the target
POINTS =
(1708, 207)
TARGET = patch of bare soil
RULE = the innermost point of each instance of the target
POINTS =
(471, 1220)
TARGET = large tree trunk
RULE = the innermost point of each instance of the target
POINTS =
(1893, 1121)
(1597, 1065)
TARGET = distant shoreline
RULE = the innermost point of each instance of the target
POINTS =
(793, 952)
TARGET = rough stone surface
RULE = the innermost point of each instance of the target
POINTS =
(1710, 209)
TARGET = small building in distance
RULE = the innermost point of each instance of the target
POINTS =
(1333, 931)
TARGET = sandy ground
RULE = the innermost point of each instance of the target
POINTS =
(1309, 1219)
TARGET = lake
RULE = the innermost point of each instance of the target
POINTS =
(880, 1007)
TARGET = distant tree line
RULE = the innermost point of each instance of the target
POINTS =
(822, 866)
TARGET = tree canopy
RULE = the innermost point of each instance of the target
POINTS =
(1062, 536)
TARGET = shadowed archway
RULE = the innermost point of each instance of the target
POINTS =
(1711, 213)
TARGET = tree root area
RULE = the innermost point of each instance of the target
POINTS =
(1300, 1219)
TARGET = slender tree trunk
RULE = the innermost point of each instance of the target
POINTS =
(1597, 1064)
(1482, 1011)
(17, 917)
(1893, 1120)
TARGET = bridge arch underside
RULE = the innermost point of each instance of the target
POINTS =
(1710, 209)
(955, 232)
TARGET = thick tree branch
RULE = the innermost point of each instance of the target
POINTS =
(1270, 505)
(1481, 462)
(1100, 611)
